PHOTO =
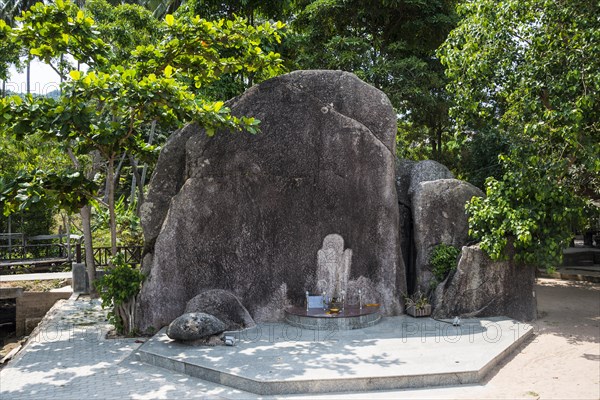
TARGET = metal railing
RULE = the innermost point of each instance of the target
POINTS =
(19, 247)
(133, 255)
(43, 251)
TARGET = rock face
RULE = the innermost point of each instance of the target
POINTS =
(224, 306)
(403, 174)
(438, 206)
(333, 266)
(194, 326)
(170, 180)
(481, 287)
(248, 213)
(439, 216)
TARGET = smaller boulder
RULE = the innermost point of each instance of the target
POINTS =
(439, 217)
(426, 171)
(403, 175)
(195, 326)
(481, 287)
(224, 305)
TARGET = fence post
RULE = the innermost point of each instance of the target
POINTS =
(9, 237)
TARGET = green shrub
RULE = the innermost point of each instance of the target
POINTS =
(532, 208)
(118, 290)
(417, 300)
(443, 259)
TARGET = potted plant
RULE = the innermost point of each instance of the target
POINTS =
(417, 305)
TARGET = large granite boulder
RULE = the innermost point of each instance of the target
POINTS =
(224, 305)
(481, 287)
(248, 213)
(439, 216)
(193, 327)
(166, 183)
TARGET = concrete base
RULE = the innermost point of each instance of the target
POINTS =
(31, 308)
(318, 319)
(581, 256)
(10, 293)
(399, 352)
(575, 273)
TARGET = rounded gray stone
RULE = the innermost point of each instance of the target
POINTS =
(194, 326)
(425, 171)
(481, 287)
(223, 305)
(439, 216)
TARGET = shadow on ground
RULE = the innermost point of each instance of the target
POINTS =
(569, 309)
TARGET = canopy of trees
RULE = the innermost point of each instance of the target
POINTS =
(390, 44)
(133, 82)
(528, 71)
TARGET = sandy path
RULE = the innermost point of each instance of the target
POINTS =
(563, 360)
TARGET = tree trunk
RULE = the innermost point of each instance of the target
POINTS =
(142, 180)
(28, 76)
(436, 142)
(136, 183)
(434, 149)
(439, 142)
(86, 226)
(150, 140)
(111, 206)
(116, 176)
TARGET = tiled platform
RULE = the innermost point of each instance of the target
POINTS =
(399, 352)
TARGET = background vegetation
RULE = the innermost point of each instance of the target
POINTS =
(504, 93)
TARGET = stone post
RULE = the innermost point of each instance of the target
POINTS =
(80, 281)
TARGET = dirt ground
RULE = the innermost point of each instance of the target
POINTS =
(563, 359)
(37, 286)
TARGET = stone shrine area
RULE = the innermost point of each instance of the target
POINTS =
(314, 215)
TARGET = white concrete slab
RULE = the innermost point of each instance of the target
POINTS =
(35, 277)
(400, 352)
